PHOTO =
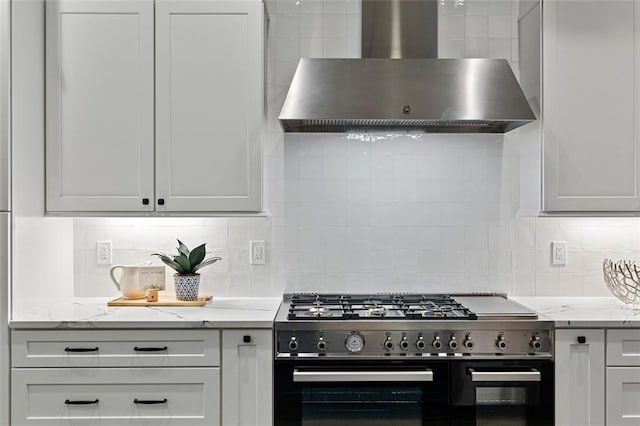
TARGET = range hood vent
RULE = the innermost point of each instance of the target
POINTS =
(427, 95)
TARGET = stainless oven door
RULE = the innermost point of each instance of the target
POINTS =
(497, 393)
(354, 393)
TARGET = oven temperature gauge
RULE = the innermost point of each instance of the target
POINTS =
(354, 342)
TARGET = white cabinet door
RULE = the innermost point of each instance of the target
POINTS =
(580, 370)
(247, 377)
(590, 99)
(100, 118)
(115, 396)
(623, 396)
(209, 76)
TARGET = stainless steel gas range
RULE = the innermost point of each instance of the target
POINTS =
(411, 359)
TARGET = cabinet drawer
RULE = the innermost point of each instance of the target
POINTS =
(115, 348)
(623, 347)
(101, 396)
(623, 386)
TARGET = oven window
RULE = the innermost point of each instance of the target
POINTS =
(501, 406)
(362, 406)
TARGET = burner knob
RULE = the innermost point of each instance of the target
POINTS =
(388, 344)
(501, 343)
(321, 345)
(535, 343)
(452, 343)
(468, 343)
(420, 343)
(437, 344)
(404, 343)
(293, 344)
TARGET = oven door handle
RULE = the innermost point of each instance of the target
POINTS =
(363, 376)
(531, 375)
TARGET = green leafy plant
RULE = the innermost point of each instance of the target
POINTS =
(187, 261)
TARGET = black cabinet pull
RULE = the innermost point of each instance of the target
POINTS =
(81, 402)
(138, 349)
(145, 201)
(161, 201)
(582, 340)
(246, 339)
(81, 349)
(149, 401)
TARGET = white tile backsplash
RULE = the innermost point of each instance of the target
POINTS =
(380, 212)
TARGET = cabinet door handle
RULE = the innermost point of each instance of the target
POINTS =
(150, 401)
(145, 201)
(81, 349)
(582, 340)
(80, 402)
(161, 201)
(139, 349)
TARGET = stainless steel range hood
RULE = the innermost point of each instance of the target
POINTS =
(429, 95)
(399, 85)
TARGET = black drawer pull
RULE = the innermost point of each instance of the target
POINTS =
(582, 340)
(161, 201)
(81, 349)
(138, 349)
(150, 401)
(70, 402)
(246, 339)
(145, 201)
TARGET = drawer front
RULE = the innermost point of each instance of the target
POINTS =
(623, 347)
(623, 387)
(115, 396)
(115, 348)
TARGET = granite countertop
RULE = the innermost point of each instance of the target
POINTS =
(221, 312)
(583, 312)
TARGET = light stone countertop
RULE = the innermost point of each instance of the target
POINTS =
(581, 312)
(259, 312)
(220, 312)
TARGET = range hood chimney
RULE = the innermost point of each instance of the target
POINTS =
(398, 87)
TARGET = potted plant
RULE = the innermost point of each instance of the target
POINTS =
(186, 264)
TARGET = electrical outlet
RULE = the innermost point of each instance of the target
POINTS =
(103, 253)
(558, 252)
(257, 252)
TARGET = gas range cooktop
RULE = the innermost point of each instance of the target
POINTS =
(408, 325)
(377, 306)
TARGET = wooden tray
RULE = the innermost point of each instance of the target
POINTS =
(163, 300)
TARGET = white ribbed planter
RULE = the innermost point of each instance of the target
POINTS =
(187, 286)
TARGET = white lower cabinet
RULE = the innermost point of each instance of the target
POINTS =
(623, 377)
(116, 396)
(142, 377)
(580, 370)
(623, 396)
(247, 379)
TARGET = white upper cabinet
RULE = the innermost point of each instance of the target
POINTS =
(154, 106)
(590, 99)
(209, 105)
(99, 84)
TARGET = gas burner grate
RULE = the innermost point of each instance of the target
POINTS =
(318, 306)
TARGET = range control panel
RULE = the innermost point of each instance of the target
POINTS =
(413, 343)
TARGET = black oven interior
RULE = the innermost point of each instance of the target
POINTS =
(455, 393)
